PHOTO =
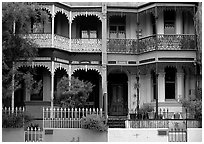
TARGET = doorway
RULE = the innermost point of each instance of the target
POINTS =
(117, 94)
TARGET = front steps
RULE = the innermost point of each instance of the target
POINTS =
(117, 121)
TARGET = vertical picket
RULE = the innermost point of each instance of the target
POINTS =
(101, 112)
(97, 112)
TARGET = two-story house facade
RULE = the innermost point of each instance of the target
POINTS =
(134, 54)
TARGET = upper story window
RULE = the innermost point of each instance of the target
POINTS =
(89, 27)
(89, 34)
(117, 27)
(169, 22)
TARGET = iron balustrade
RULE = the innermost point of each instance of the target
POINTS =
(151, 43)
(128, 46)
(86, 45)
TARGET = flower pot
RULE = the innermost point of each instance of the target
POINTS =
(177, 116)
(132, 116)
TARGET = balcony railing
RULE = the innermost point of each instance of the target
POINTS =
(86, 45)
(43, 40)
(130, 46)
(151, 43)
(61, 42)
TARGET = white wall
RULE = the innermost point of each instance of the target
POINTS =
(194, 135)
(135, 135)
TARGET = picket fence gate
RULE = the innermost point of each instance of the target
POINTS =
(177, 135)
(33, 134)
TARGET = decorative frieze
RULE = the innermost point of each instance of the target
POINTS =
(63, 11)
(86, 68)
(87, 13)
(48, 8)
(46, 65)
(58, 65)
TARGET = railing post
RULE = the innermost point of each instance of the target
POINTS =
(53, 16)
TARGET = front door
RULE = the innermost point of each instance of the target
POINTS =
(117, 100)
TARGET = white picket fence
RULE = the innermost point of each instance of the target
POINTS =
(66, 117)
(15, 111)
(33, 134)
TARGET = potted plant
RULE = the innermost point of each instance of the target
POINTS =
(177, 115)
(148, 110)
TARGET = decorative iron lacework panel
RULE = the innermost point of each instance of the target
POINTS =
(86, 45)
(43, 40)
(147, 44)
(122, 45)
(151, 43)
(175, 42)
(61, 42)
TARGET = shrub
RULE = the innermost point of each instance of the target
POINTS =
(94, 122)
(14, 121)
(73, 93)
(193, 106)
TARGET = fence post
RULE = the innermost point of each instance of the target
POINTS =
(186, 125)
(79, 113)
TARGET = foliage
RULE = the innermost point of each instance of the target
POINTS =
(147, 108)
(16, 20)
(193, 106)
(144, 110)
(73, 93)
(94, 122)
(14, 121)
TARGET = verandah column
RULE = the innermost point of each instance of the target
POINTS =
(104, 57)
(180, 84)
(70, 31)
(52, 87)
(161, 86)
(53, 16)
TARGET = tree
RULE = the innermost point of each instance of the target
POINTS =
(73, 93)
(16, 20)
(198, 30)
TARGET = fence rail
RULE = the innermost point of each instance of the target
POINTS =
(66, 117)
(33, 134)
(163, 123)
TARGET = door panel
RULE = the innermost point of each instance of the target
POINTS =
(117, 99)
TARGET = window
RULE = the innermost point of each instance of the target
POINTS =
(117, 27)
(88, 34)
(169, 22)
(170, 83)
(117, 31)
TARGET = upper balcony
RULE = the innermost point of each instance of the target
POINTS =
(128, 32)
